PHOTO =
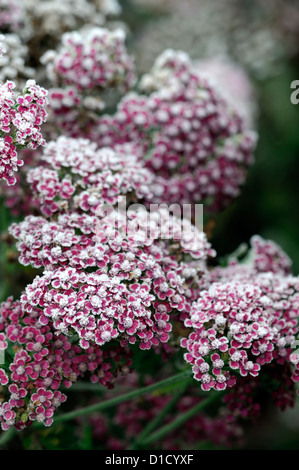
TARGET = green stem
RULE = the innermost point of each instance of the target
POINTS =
(158, 418)
(181, 419)
(120, 399)
(81, 387)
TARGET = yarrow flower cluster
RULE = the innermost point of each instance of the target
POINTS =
(192, 145)
(267, 256)
(67, 111)
(92, 59)
(137, 278)
(90, 63)
(262, 256)
(40, 362)
(99, 308)
(238, 327)
(91, 178)
(193, 141)
(20, 125)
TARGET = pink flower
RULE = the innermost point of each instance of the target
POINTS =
(240, 326)
(21, 119)
(196, 145)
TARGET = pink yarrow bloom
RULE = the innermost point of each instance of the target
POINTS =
(21, 118)
(240, 326)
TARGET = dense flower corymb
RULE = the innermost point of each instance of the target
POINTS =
(262, 256)
(193, 141)
(92, 59)
(90, 63)
(110, 276)
(135, 286)
(98, 308)
(20, 124)
(240, 326)
(78, 176)
(38, 363)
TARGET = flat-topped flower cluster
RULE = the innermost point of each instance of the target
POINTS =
(38, 362)
(20, 125)
(193, 141)
(239, 326)
(90, 59)
(112, 276)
